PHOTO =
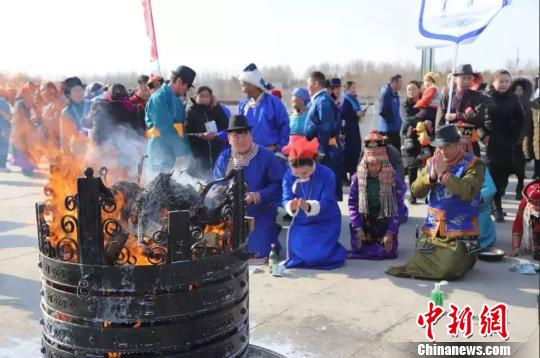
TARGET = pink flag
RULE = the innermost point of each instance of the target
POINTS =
(149, 20)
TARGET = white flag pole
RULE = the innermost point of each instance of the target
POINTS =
(451, 87)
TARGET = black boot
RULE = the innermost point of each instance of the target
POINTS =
(499, 215)
(519, 191)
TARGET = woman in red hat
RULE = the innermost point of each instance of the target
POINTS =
(309, 197)
(528, 221)
(373, 203)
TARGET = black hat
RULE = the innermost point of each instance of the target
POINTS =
(238, 122)
(334, 82)
(186, 74)
(465, 69)
(446, 134)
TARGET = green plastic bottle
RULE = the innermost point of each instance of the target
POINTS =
(273, 259)
(437, 295)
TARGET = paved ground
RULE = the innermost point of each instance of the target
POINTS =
(355, 311)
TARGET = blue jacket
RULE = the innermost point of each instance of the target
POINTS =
(322, 120)
(389, 115)
(269, 119)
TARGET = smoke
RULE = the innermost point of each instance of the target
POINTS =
(119, 148)
(120, 154)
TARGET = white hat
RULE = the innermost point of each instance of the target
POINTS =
(253, 76)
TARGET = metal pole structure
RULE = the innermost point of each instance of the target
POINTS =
(428, 60)
(451, 87)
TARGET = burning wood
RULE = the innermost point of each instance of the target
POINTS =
(135, 220)
(162, 193)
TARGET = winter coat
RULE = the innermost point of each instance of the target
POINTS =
(113, 120)
(206, 152)
(506, 120)
(530, 134)
(411, 147)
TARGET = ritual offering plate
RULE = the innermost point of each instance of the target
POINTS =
(491, 255)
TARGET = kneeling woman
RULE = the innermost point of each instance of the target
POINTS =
(373, 203)
(309, 197)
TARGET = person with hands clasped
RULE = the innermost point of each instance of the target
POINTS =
(449, 241)
(309, 197)
(373, 203)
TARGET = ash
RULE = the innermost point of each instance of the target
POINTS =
(164, 192)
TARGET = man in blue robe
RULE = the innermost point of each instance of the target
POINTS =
(323, 123)
(265, 113)
(165, 119)
(263, 173)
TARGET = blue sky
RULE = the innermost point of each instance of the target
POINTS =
(75, 36)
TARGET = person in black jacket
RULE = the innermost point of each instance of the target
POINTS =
(411, 147)
(206, 119)
(112, 115)
(116, 133)
(468, 106)
(522, 87)
(506, 117)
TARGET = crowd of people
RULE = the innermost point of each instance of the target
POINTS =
(456, 142)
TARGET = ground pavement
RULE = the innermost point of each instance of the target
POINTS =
(354, 311)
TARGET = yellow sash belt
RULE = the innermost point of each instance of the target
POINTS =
(154, 132)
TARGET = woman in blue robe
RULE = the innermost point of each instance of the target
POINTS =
(263, 174)
(73, 134)
(309, 197)
(351, 113)
(488, 234)
(297, 118)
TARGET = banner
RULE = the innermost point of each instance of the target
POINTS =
(149, 20)
(458, 21)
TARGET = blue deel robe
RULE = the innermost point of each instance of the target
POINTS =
(323, 123)
(488, 234)
(297, 123)
(76, 112)
(163, 110)
(222, 135)
(5, 129)
(313, 238)
(263, 174)
(351, 129)
(269, 119)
